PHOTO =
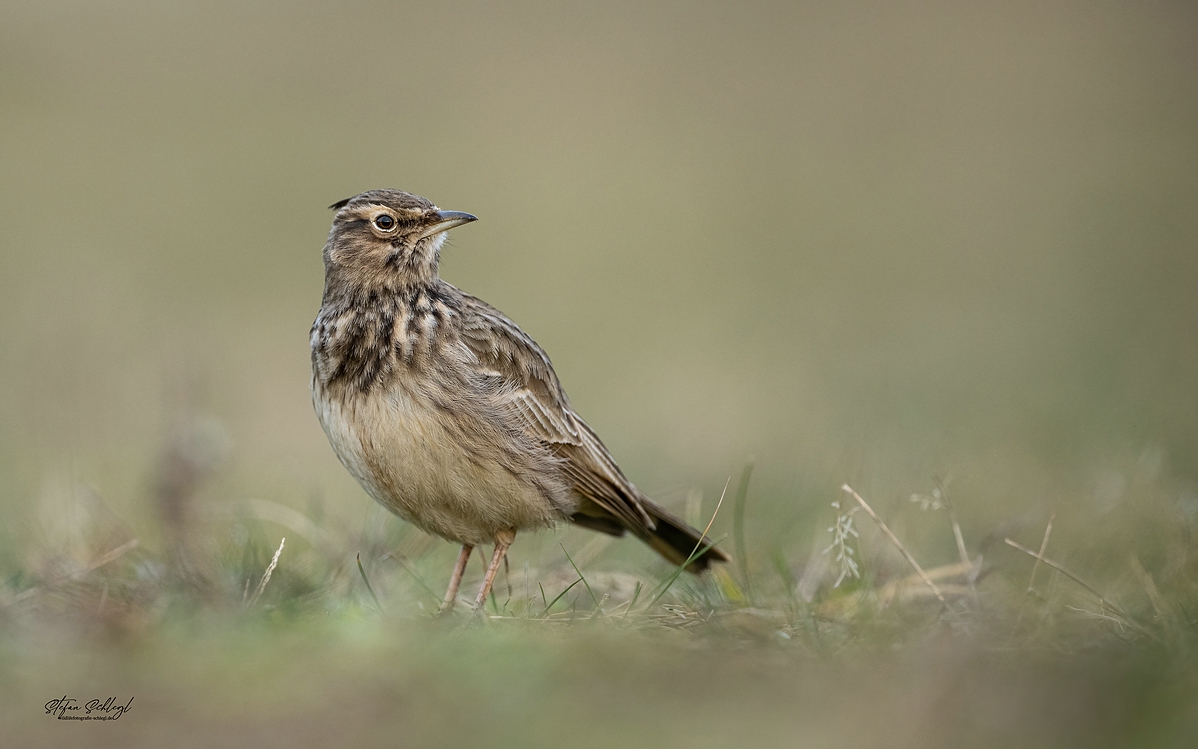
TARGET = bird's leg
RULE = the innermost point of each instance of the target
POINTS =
(451, 595)
(503, 539)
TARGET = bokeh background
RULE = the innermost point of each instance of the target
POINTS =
(877, 243)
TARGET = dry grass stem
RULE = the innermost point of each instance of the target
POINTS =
(960, 538)
(1127, 620)
(1031, 581)
(1154, 595)
(703, 536)
(100, 561)
(894, 539)
(110, 556)
(270, 568)
(902, 589)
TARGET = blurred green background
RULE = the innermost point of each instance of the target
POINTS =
(874, 243)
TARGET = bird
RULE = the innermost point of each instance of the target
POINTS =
(446, 412)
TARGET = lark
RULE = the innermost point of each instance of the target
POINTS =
(446, 412)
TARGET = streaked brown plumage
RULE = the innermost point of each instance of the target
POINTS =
(445, 411)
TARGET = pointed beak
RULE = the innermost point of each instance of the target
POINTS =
(445, 221)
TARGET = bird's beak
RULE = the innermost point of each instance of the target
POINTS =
(446, 220)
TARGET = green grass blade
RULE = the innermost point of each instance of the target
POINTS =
(418, 579)
(362, 572)
(559, 595)
(782, 566)
(580, 577)
(699, 551)
(738, 528)
(635, 595)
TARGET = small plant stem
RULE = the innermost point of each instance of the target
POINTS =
(894, 539)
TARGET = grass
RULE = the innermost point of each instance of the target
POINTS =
(892, 654)
(366, 582)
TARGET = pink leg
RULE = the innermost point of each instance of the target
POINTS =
(503, 540)
(451, 595)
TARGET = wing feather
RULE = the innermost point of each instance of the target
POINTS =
(529, 393)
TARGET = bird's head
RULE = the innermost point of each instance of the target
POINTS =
(388, 236)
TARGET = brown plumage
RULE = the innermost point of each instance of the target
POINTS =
(445, 411)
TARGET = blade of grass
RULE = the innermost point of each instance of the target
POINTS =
(369, 589)
(559, 595)
(695, 552)
(681, 568)
(738, 527)
(635, 595)
(783, 569)
(415, 576)
(580, 577)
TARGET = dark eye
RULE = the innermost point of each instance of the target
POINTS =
(384, 223)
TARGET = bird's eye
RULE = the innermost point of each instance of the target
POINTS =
(384, 223)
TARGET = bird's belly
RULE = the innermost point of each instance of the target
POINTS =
(402, 451)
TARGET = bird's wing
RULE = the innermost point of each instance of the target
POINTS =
(531, 396)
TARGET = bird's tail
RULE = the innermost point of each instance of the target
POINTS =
(677, 541)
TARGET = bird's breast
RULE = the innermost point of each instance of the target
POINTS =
(376, 437)
(404, 450)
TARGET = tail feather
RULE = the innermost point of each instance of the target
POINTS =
(671, 536)
(677, 541)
